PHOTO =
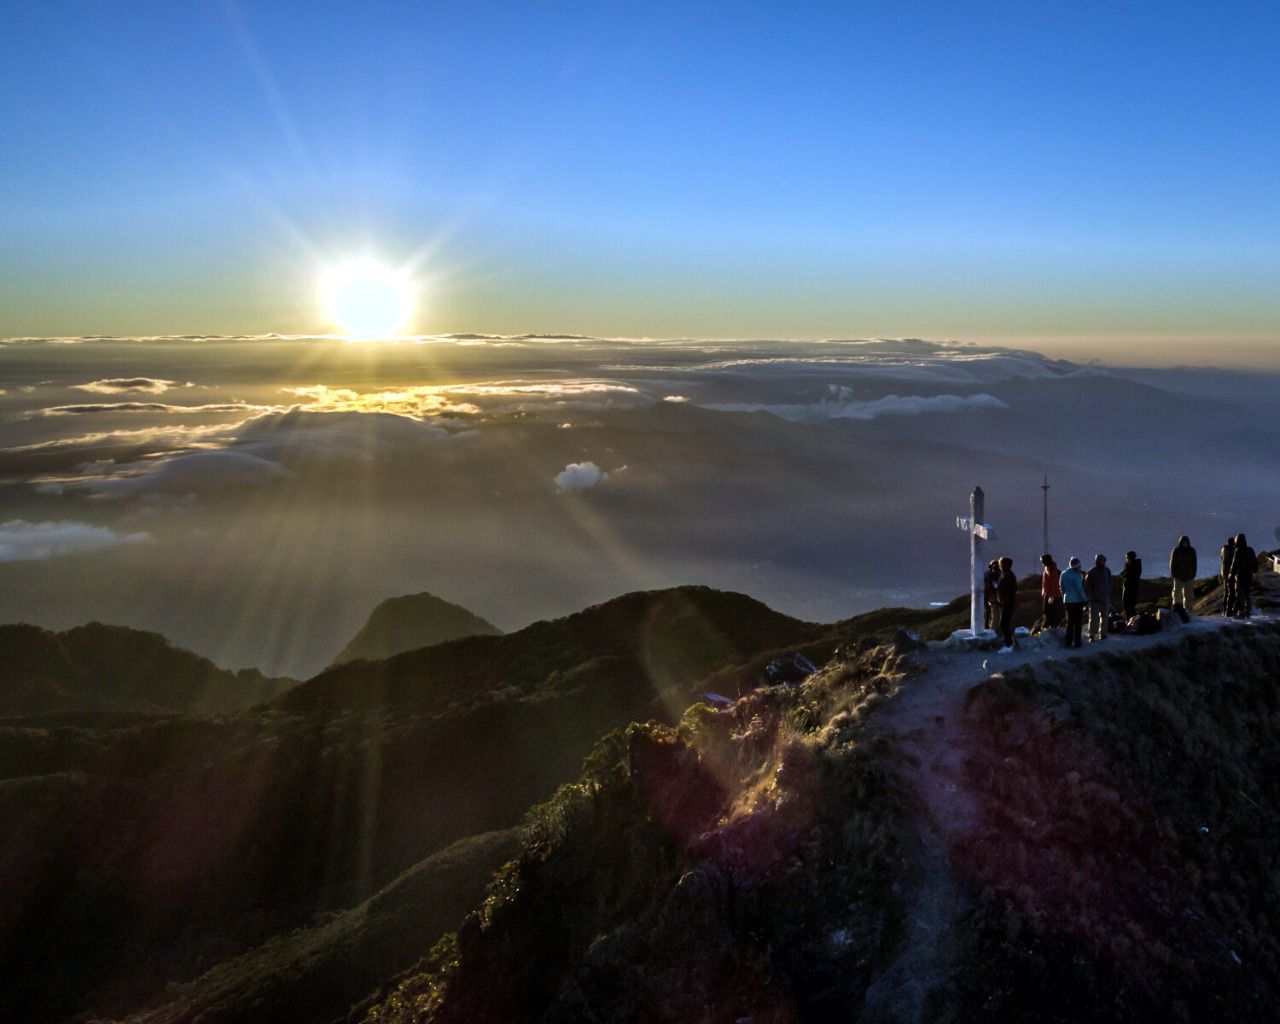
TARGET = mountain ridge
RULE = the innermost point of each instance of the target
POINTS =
(408, 622)
(102, 668)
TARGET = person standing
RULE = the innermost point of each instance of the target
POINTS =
(1051, 591)
(1130, 577)
(1007, 600)
(1097, 583)
(1182, 567)
(1074, 598)
(1228, 581)
(989, 580)
(1244, 563)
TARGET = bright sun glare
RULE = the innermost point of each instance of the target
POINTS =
(367, 300)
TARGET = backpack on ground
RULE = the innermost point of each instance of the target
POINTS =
(792, 667)
(1144, 624)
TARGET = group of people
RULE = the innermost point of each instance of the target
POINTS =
(1076, 591)
(1237, 565)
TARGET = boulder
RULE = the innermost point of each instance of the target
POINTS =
(907, 640)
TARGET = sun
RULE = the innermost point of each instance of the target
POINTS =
(367, 300)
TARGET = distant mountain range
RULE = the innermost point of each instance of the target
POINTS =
(405, 623)
(97, 668)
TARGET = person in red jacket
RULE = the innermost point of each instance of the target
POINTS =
(1051, 591)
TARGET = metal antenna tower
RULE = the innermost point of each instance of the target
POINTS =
(1045, 488)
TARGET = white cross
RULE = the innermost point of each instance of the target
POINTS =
(978, 531)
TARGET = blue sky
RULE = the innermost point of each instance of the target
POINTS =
(1042, 171)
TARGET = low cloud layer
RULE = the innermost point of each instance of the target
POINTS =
(484, 398)
(580, 476)
(340, 474)
(188, 473)
(21, 541)
(150, 407)
(302, 436)
(841, 407)
(130, 385)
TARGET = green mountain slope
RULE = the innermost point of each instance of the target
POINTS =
(1086, 840)
(406, 623)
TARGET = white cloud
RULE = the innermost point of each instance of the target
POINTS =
(21, 541)
(182, 474)
(166, 438)
(579, 476)
(840, 407)
(164, 407)
(469, 400)
(885, 359)
(301, 435)
(131, 385)
(415, 402)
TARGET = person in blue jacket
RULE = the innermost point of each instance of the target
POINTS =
(1074, 599)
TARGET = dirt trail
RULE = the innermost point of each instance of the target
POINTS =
(927, 721)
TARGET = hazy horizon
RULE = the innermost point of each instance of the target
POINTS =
(254, 499)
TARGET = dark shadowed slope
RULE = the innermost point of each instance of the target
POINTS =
(314, 973)
(406, 623)
(113, 668)
(144, 853)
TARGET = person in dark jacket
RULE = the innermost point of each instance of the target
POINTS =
(1074, 598)
(1007, 599)
(1182, 567)
(989, 580)
(1097, 583)
(1224, 574)
(1244, 563)
(1130, 576)
(1051, 591)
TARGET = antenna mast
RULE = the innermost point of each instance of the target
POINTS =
(1045, 488)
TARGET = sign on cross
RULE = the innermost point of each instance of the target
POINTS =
(978, 531)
